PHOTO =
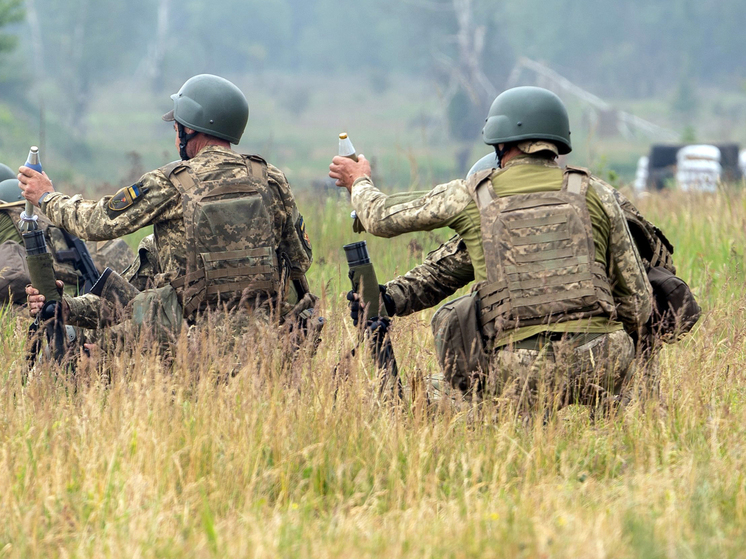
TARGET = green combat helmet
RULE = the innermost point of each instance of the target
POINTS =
(10, 191)
(209, 104)
(489, 161)
(6, 173)
(527, 113)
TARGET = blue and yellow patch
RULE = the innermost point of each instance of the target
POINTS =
(126, 197)
(300, 227)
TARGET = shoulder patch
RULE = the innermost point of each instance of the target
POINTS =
(126, 197)
(300, 226)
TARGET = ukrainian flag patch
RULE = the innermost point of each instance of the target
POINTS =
(126, 197)
(300, 227)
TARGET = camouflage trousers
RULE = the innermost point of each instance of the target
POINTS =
(562, 372)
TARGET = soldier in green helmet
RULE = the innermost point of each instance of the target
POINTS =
(560, 285)
(6, 173)
(227, 231)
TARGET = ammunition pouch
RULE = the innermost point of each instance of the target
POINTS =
(159, 313)
(458, 342)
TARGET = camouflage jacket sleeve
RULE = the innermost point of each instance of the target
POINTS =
(294, 240)
(429, 211)
(445, 270)
(629, 282)
(106, 219)
(84, 311)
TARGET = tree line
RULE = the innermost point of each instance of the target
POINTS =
(631, 48)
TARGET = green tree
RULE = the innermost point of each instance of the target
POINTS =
(11, 11)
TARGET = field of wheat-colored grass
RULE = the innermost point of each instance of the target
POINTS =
(285, 458)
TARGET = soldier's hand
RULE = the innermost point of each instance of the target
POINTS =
(346, 171)
(33, 184)
(356, 306)
(36, 300)
(91, 352)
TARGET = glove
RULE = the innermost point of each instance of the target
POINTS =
(356, 306)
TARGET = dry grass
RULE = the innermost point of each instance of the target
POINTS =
(282, 460)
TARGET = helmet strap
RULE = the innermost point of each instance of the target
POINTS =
(500, 154)
(184, 140)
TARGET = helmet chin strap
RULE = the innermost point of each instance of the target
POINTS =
(184, 140)
(500, 154)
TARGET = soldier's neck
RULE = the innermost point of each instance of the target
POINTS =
(201, 141)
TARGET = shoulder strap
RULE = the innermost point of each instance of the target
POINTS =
(479, 188)
(576, 180)
(257, 166)
(168, 169)
(178, 172)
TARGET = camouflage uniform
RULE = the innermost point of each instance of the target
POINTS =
(114, 253)
(85, 311)
(155, 201)
(598, 339)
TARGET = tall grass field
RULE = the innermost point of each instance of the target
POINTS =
(239, 451)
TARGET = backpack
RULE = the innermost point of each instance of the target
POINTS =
(675, 309)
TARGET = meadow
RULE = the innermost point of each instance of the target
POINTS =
(129, 458)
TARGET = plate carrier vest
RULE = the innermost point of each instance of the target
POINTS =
(540, 256)
(230, 241)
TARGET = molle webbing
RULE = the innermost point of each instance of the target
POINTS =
(495, 298)
(229, 237)
(539, 252)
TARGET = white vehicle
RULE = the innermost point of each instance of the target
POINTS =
(698, 168)
(742, 161)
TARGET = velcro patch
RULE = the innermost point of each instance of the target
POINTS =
(126, 197)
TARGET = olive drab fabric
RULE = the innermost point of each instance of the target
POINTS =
(229, 237)
(159, 313)
(14, 275)
(539, 251)
(458, 342)
(588, 370)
